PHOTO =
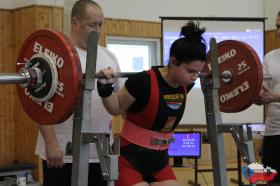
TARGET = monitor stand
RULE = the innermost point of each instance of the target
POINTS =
(178, 162)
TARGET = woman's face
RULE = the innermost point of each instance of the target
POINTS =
(187, 73)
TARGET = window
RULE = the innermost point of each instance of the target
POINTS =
(134, 54)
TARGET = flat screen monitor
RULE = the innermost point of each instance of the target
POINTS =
(187, 144)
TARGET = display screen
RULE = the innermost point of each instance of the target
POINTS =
(187, 144)
(252, 37)
(250, 32)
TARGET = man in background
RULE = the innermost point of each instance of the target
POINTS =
(86, 16)
(270, 95)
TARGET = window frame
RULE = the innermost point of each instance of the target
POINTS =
(153, 45)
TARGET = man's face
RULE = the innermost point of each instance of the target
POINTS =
(278, 25)
(93, 20)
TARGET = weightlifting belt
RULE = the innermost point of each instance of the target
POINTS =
(145, 137)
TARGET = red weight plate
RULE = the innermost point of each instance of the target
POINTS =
(59, 48)
(243, 63)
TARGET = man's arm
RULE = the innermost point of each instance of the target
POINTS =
(54, 153)
(267, 96)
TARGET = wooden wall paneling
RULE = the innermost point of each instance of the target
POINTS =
(25, 128)
(272, 41)
(49, 17)
(24, 24)
(130, 28)
(7, 144)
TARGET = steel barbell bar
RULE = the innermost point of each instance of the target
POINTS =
(24, 78)
(13, 78)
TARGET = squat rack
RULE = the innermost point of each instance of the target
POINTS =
(109, 158)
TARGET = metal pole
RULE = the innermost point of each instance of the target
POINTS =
(196, 172)
(13, 78)
(213, 119)
(80, 149)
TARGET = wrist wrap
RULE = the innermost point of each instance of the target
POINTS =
(105, 90)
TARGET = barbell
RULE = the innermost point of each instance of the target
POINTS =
(49, 76)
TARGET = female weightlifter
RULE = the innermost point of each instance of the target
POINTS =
(153, 103)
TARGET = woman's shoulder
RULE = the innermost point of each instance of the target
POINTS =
(139, 77)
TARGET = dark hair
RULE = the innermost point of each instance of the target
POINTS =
(79, 8)
(278, 13)
(190, 46)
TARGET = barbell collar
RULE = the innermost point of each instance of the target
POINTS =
(33, 76)
(27, 77)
